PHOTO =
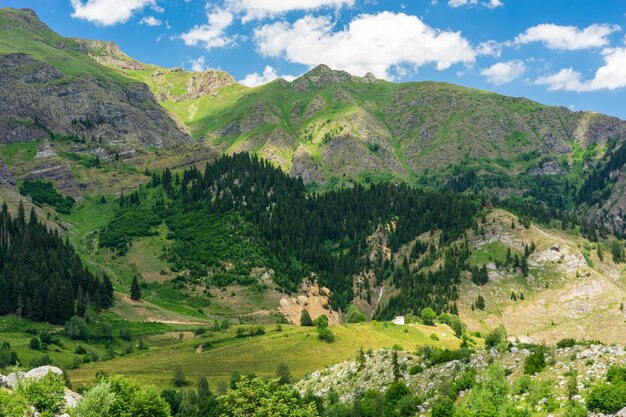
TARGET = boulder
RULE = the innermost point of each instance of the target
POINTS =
(42, 371)
(5, 382)
(621, 413)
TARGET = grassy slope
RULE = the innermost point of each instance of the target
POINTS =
(41, 41)
(296, 346)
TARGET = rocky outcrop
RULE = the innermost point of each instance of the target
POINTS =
(312, 298)
(14, 379)
(108, 53)
(6, 179)
(36, 99)
(551, 167)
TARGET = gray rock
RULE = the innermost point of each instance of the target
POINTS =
(42, 371)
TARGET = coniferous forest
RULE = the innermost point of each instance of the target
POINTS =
(269, 219)
(41, 277)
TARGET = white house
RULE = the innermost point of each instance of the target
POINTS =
(399, 320)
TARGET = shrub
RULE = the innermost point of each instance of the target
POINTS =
(607, 398)
(305, 319)
(97, 402)
(12, 404)
(322, 322)
(46, 394)
(179, 377)
(536, 361)
(428, 316)
(416, 369)
(43, 192)
(40, 361)
(616, 374)
(132, 400)
(497, 336)
(435, 355)
(575, 410)
(353, 315)
(444, 407)
(566, 343)
(325, 335)
(76, 329)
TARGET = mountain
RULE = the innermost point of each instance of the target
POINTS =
(331, 128)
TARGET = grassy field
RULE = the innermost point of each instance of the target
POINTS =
(298, 347)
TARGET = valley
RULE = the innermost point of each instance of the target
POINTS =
(378, 248)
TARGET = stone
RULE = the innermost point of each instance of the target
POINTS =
(38, 373)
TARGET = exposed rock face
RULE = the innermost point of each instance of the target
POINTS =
(108, 53)
(6, 178)
(57, 171)
(206, 83)
(313, 299)
(34, 101)
(551, 167)
(45, 151)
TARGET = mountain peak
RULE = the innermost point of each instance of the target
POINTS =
(26, 19)
(320, 76)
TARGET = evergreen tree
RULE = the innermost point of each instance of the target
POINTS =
(135, 289)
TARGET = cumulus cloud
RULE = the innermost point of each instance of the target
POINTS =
(370, 43)
(568, 37)
(490, 4)
(504, 72)
(259, 9)
(213, 33)
(198, 64)
(108, 12)
(150, 21)
(611, 76)
(269, 74)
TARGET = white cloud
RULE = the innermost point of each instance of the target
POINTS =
(490, 4)
(213, 34)
(611, 76)
(370, 43)
(259, 9)
(568, 37)
(198, 64)
(269, 74)
(489, 48)
(504, 72)
(150, 21)
(108, 12)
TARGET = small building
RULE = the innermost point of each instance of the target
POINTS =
(399, 320)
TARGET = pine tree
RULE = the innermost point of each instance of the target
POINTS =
(135, 290)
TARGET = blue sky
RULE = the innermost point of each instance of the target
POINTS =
(559, 52)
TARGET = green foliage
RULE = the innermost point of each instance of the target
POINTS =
(45, 394)
(496, 336)
(609, 397)
(575, 409)
(489, 397)
(179, 377)
(305, 319)
(444, 407)
(353, 315)
(434, 355)
(129, 223)
(7, 356)
(76, 329)
(268, 398)
(428, 316)
(97, 402)
(41, 277)
(283, 374)
(43, 192)
(322, 321)
(536, 361)
(133, 400)
(135, 289)
(324, 334)
(566, 343)
(12, 404)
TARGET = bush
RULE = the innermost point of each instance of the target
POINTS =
(35, 344)
(575, 410)
(43, 192)
(97, 402)
(536, 361)
(12, 404)
(40, 361)
(132, 400)
(434, 355)
(607, 398)
(325, 335)
(444, 407)
(46, 394)
(428, 316)
(497, 336)
(416, 369)
(566, 343)
(179, 377)
(322, 322)
(76, 329)
(353, 315)
(305, 319)
(616, 374)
